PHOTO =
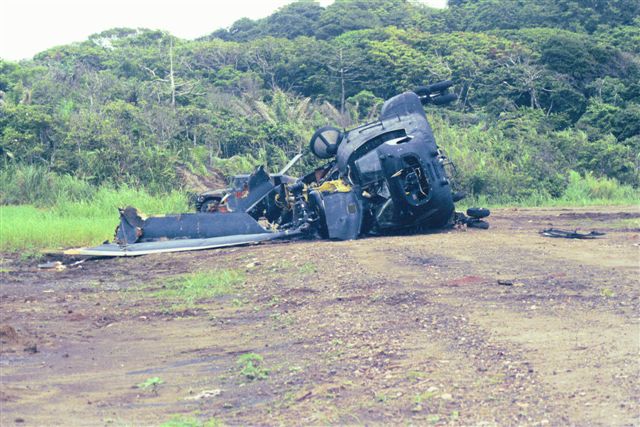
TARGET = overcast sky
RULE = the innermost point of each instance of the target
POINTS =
(31, 26)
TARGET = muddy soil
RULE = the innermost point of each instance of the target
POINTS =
(461, 327)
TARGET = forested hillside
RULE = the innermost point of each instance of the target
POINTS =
(548, 89)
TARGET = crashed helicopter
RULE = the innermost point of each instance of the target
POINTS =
(384, 177)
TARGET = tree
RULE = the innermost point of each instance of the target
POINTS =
(293, 20)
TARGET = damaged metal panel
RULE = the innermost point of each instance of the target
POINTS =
(343, 213)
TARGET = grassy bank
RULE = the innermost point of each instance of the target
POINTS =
(27, 228)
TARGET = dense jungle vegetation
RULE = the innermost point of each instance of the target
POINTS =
(549, 96)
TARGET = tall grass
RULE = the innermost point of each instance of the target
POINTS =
(586, 190)
(590, 190)
(68, 223)
(27, 228)
(40, 209)
(32, 184)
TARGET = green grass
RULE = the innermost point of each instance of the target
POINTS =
(68, 223)
(151, 384)
(308, 268)
(607, 293)
(183, 421)
(192, 287)
(421, 397)
(251, 366)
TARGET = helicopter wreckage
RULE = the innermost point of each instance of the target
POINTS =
(385, 177)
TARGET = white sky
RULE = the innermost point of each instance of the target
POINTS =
(31, 26)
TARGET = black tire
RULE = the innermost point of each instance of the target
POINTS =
(478, 212)
(210, 204)
(478, 223)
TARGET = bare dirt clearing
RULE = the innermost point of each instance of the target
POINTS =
(413, 329)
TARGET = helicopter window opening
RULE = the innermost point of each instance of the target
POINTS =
(401, 140)
(377, 141)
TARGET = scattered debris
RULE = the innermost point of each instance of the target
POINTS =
(55, 266)
(505, 282)
(59, 266)
(555, 232)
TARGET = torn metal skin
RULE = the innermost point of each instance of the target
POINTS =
(384, 177)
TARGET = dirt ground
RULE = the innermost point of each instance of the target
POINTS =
(460, 327)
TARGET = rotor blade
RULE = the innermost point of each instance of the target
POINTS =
(181, 245)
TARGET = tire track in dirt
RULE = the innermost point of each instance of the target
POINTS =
(496, 383)
(524, 321)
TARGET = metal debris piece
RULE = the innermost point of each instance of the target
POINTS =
(556, 232)
(55, 265)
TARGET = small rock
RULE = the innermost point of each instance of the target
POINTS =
(205, 394)
(8, 334)
(446, 396)
(32, 348)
